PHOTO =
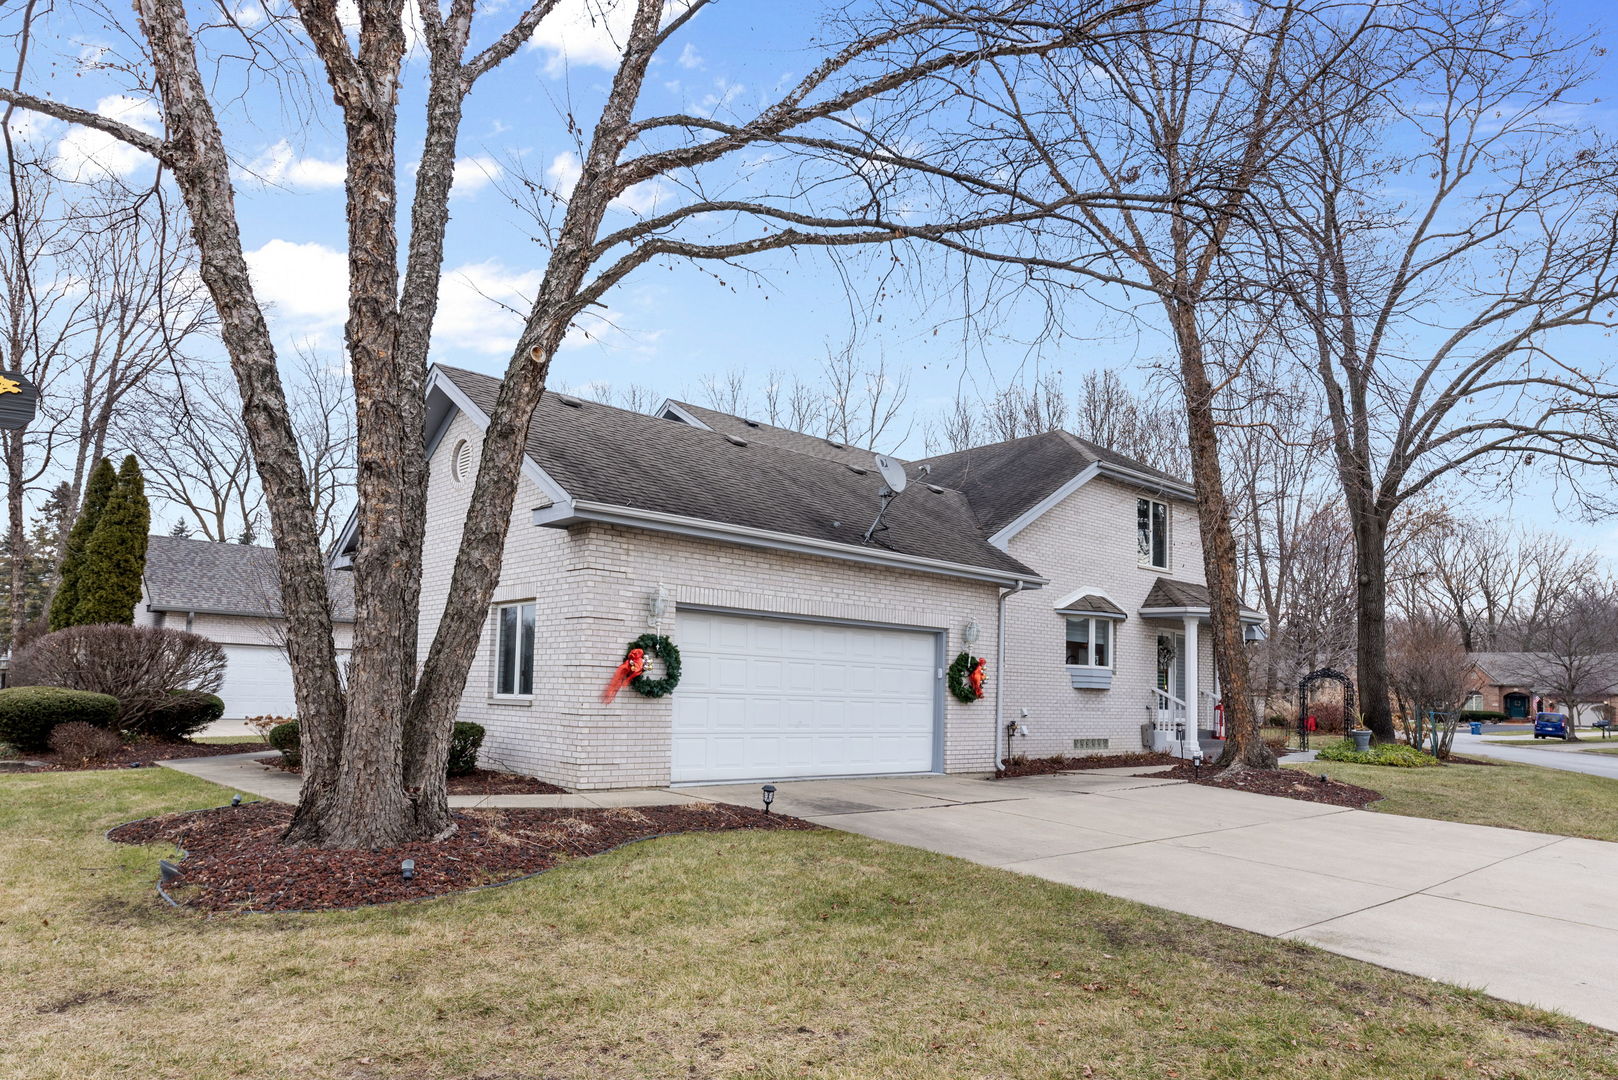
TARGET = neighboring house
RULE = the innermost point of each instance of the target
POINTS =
(230, 593)
(1504, 682)
(808, 650)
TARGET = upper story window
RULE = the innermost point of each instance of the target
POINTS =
(1152, 529)
(514, 650)
(1089, 642)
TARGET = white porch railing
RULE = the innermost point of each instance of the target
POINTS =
(1168, 721)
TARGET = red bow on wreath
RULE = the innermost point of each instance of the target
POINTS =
(630, 669)
(975, 679)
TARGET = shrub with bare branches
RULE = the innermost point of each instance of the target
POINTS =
(138, 665)
(81, 744)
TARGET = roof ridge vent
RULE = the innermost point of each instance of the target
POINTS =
(835, 445)
(855, 469)
(570, 401)
(749, 423)
(734, 441)
(935, 489)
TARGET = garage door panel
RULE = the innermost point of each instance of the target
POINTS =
(786, 698)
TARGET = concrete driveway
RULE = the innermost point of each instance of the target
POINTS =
(1529, 917)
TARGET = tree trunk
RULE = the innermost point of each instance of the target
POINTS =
(1371, 615)
(16, 535)
(1245, 744)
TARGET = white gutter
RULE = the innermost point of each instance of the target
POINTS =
(563, 514)
(1000, 669)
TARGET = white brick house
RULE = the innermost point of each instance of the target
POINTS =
(809, 650)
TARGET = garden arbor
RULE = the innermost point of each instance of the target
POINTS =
(1308, 682)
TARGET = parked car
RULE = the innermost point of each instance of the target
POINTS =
(1548, 725)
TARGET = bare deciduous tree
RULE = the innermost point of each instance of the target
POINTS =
(1576, 661)
(1440, 241)
(1427, 668)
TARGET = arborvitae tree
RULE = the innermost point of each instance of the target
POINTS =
(115, 558)
(96, 493)
(181, 530)
(40, 554)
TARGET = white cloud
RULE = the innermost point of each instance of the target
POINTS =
(282, 167)
(690, 59)
(307, 283)
(473, 174)
(82, 152)
(481, 307)
(591, 33)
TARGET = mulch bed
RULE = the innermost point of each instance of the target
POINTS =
(1287, 783)
(138, 754)
(476, 782)
(1062, 763)
(234, 860)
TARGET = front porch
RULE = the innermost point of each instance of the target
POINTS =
(1184, 712)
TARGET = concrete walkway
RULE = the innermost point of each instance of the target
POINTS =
(1529, 917)
(241, 772)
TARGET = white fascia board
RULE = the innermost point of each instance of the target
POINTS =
(1002, 539)
(441, 383)
(1246, 615)
(561, 516)
(1157, 484)
(671, 408)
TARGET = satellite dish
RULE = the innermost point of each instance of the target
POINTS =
(892, 472)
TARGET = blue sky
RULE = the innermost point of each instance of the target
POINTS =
(665, 329)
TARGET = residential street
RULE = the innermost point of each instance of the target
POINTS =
(1568, 761)
(1412, 894)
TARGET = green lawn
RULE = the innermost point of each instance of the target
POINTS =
(230, 739)
(1514, 796)
(1585, 745)
(779, 955)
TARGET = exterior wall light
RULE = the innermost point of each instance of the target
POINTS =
(769, 796)
(658, 607)
(970, 632)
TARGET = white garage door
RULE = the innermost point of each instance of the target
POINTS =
(767, 698)
(258, 681)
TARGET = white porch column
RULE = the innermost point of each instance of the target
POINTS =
(1192, 691)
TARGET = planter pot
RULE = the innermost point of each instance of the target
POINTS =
(1362, 740)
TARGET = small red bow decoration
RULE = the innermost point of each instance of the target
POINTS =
(976, 677)
(631, 668)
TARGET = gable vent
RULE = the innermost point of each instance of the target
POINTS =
(461, 463)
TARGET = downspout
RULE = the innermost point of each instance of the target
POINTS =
(1000, 669)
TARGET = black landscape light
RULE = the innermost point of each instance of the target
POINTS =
(236, 799)
(407, 869)
(1324, 779)
(1196, 763)
(769, 796)
(167, 872)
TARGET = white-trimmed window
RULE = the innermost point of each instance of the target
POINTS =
(514, 650)
(1473, 702)
(1089, 642)
(1152, 531)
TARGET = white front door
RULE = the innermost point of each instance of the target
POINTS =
(765, 698)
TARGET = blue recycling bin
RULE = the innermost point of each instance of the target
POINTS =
(1477, 727)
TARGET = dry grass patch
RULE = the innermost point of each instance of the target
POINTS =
(775, 955)
(1511, 796)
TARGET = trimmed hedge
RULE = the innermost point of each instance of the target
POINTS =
(1395, 755)
(1488, 716)
(29, 713)
(284, 737)
(184, 714)
(464, 743)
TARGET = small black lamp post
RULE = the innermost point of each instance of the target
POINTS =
(769, 796)
(236, 800)
(407, 869)
(1196, 763)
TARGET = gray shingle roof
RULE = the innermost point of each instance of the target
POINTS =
(1091, 602)
(1002, 480)
(785, 438)
(202, 575)
(1168, 593)
(603, 454)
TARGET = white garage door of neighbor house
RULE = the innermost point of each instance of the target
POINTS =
(258, 681)
(763, 698)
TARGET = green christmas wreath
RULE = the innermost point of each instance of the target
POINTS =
(960, 672)
(665, 650)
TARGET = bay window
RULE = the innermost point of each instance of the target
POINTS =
(1089, 642)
